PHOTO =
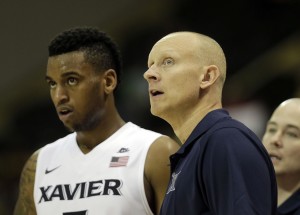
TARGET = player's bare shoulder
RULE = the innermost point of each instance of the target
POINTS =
(165, 144)
(162, 148)
(28, 173)
(157, 170)
(25, 202)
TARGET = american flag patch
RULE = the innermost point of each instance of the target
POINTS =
(119, 161)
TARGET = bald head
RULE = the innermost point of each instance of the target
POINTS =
(287, 113)
(295, 102)
(282, 140)
(205, 48)
(186, 73)
(290, 106)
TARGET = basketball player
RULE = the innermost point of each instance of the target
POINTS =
(105, 165)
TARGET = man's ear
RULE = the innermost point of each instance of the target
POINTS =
(109, 80)
(210, 74)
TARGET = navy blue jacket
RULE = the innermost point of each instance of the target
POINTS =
(222, 169)
(291, 206)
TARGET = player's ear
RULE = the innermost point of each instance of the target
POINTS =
(109, 80)
(210, 74)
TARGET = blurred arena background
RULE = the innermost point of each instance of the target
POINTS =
(261, 39)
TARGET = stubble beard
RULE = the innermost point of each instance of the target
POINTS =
(88, 123)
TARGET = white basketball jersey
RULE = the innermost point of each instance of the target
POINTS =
(109, 180)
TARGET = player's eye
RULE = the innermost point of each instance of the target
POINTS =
(72, 81)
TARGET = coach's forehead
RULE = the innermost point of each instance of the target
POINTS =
(181, 38)
(183, 42)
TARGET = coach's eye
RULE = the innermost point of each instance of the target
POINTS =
(168, 61)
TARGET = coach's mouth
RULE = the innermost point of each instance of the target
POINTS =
(155, 92)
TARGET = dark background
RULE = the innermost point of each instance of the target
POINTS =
(260, 38)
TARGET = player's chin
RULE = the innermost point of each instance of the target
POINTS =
(69, 128)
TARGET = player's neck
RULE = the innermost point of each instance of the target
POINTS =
(87, 140)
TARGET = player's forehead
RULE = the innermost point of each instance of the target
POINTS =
(65, 63)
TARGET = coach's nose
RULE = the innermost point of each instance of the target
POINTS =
(152, 74)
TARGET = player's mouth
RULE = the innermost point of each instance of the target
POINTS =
(64, 112)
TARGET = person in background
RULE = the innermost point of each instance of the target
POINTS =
(105, 165)
(282, 140)
(222, 168)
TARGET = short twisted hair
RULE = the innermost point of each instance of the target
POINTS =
(99, 49)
